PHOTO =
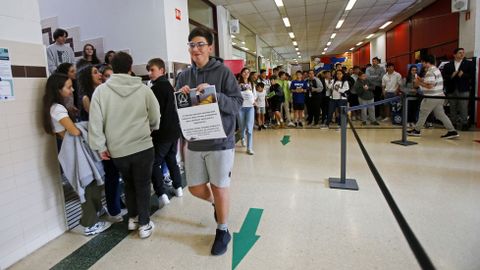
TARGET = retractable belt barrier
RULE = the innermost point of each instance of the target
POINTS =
(417, 249)
(380, 102)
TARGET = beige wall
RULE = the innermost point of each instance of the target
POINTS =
(31, 197)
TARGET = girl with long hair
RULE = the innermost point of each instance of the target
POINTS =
(246, 116)
(338, 96)
(413, 105)
(88, 79)
(89, 56)
(57, 121)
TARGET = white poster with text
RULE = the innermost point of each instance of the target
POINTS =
(199, 114)
(6, 78)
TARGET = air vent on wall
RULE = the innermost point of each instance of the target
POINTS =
(459, 5)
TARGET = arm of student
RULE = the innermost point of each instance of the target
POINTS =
(86, 103)
(68, 124)
(51, 61)
(153, 110)
(230, 99)
(96, 136)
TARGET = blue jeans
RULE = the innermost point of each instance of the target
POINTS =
(246, 117)
(333, 105)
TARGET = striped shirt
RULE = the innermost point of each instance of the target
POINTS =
(433, 76)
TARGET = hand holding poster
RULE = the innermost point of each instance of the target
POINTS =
(199, 114)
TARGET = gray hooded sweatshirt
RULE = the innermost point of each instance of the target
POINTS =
(123, 112)
(229, 100)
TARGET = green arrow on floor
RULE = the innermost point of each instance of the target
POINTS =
(244, 240)
(285, 140)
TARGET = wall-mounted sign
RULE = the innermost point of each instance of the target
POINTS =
(6, 78)
(178, 14)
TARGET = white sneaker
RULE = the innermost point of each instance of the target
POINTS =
(386, 119)
(250, 152)
(97, 228)
(133, 223)
(116, 219)
(243, 142)
(291, 124)
(179, 192)
(146, 230)
(163, 200)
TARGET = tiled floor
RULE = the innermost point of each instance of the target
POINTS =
(306, 225)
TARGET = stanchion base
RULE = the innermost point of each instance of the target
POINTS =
(350, 184)
(404, 143)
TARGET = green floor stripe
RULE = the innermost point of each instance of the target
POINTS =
(92, 251)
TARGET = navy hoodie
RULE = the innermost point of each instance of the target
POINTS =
(229, 100)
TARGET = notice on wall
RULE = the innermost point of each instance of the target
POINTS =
(6, 78)
(199, 114)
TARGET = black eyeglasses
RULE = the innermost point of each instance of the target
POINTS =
(199, 45)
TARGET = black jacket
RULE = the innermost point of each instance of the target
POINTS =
(169, 130)
(461, 83)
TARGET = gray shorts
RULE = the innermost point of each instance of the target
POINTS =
(213, 167)
(261, 110)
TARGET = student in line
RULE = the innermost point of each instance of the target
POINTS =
(89, 56)
(59, 52)
(261, 105)
(299, 89)
(57, 121)
(364, 90)
(338, 97)
(246, 116)
(165, 139)
(123, 112)
(275, 99)
(89, 78)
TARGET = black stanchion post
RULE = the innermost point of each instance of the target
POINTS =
(343, 182)
(404, 140)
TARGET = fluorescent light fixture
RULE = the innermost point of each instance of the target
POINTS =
(323, 52)
(296, 49)
(339, 24)
(286, 21)
(232, 36)
(291, 34)
(295, 43)
(243, 42)
(299, 56)
(352, 48)
(350, 4)
(359, 43)
(370, 36)
(325, 49)
(246, 49)
(298, 53)
(333, 35)
(385, 25)
(329, 43)
(233, 43)
(279, 3)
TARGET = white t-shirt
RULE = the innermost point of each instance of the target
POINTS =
(338, 88)
(457, 64)
(391, 81)
(260, 100)
(58, 112)
(248, 98)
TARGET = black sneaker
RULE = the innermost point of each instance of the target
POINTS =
(296, 124)
(300, 124)
(414, 132)
(375, 123)
(222, 238)
(450, 135)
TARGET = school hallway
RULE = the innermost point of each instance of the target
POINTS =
(305, 224)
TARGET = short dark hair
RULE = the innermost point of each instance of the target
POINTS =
(390, 64)
(360, 73)
(106, 56)
(355, 67)
(338, 64)
(59, 32)
(298, 71)
(261, 85)
(262, 71)
(158, 62)
(64, 68)
(428, 58)
(280, 73)
(458, 49)
(122, 63)
(201, 32)
(275, 69)
(274, 77)
(376, 58)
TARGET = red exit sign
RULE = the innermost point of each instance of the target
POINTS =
(178, 14)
